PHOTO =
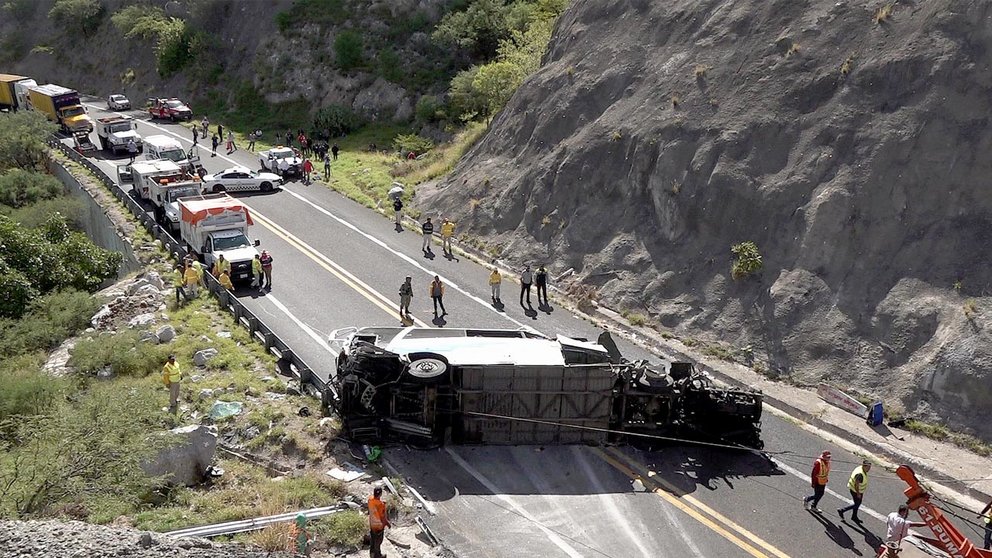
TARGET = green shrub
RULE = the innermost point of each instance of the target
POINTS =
(429, 109)
(412, 142)
(122, 352)
(748, 260)
(390, 65)
(35, 215)
(348, 49)
(19, 187)
(93, 444)
(338, 120)
(49, 320)
(26, 390)
(77, 15)
(312, 11)
(22, 140)
(347, 528)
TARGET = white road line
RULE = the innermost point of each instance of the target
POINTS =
(845, 498)
(552, 536)
(306, 329)
(610, 505)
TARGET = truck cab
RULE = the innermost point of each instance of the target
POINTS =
(62, 106)
(162, 147)
(172, 109)
(116, 131)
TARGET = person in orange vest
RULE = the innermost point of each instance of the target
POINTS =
(818, 480)
(857, 484)
(378, 521)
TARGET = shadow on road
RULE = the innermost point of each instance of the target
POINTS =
(683, 469)
(836, 533)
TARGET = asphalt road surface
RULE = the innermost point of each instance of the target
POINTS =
(338, 264)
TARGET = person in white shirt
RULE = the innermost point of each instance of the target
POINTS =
(897, 526)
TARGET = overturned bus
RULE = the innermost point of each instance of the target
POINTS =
(489, 386)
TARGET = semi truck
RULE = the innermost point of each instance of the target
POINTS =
(217, 224)
(62, 106)
(428, 386)
(116, 131)
(9, 100)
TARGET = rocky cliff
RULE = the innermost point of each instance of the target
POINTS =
(847, 140)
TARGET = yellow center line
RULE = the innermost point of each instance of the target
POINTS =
(341, 273)
(666, 490)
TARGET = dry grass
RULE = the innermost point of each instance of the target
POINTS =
(616, 136)
(883, 14)
(274, 538)
(848, 64)
(676, 100)
(474, 203)
(970, 308)
(793, 49)
(699, 71)
(440, 160)
(545, 221)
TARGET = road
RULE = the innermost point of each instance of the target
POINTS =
(338, 264)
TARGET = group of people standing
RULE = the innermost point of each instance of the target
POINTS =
(437, 287)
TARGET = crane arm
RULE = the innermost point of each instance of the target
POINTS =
(947, 537)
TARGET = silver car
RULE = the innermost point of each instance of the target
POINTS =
(118, 102)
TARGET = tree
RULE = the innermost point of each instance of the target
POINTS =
(19, 187)
(77, 15)
(479, 28)
(748, 260)
(466, 101)
(337, 120)
(22, 140)
(496, 82)
(348, 49)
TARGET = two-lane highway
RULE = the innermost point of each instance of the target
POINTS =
(339, 264)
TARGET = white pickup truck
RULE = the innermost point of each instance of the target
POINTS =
(116, 131)
(216, 224)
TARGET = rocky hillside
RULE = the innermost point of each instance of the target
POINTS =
(847, 140)
(241, 52)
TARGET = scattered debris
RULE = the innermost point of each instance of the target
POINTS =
(224, 409)
(346, 472)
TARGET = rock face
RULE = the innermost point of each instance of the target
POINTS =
(75, 538)
(184, 463)
(850, 148)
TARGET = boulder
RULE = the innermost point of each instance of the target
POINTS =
(58, 362)
(148, 290)
(166, 333)
(201, 357)
(155, 279)
(141, 320)
(186, 461)
(105, 373)
(148, 337)
(205, 394)
(102, 314)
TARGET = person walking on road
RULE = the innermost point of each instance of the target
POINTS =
(334, 151)
(818, 480)
(857, 485)
(231, 147)
(428, 229)
(495, 279)
(541, 280)
(196, 134)
(896, 529)
(327, 168)
(447, 231)
(398, 209)
(526, 279)
(132, 149)
(205, 127)
(378, 521)
(172, 377)
(406, 296)
(214, 142)
(220, 132)
(437, 295)
(252, 136)
(266, 260)
(986, 515)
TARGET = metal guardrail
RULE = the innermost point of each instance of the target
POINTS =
(259, 331)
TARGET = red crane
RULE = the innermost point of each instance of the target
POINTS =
(947, 537)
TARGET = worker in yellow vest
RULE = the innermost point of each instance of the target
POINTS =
(171, 377)
(857, 485)
(986, 515)
(447, 231)
(818, 480)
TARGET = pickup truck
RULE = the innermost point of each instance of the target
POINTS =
(116, 131)
(171, 109)
(217, 224)
(60, 105)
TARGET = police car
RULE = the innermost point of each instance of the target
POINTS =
(241, 179)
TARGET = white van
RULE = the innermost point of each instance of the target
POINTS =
(164, 147)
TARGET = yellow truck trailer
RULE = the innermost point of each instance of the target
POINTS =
(62, 106)
(8, 92)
